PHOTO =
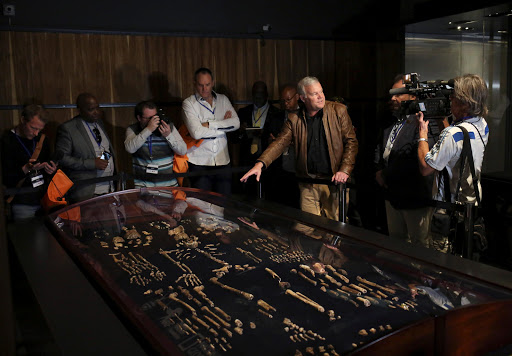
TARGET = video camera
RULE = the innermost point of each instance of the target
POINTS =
(432, 97)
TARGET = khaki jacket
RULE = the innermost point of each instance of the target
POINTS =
(340, 134)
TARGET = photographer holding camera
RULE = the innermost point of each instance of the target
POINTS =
(407, 193)
(152, 141)
(468, 110)
(26, 161)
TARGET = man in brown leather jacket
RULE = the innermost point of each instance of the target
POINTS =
(325, 146)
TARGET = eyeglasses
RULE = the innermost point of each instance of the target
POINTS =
(284, 100)
(97, 135)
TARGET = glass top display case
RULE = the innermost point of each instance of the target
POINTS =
(200, 274)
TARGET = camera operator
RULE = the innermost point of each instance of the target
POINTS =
(152, 141)
(407, 193)
(468, 109)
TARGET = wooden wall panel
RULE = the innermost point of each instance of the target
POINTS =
(91, 68)
(240, 69)
(68, 55)
(284, 64)
(300, 59)
(268, 65)
(6, 80)
(128, 69)
(7, 90)
(252, 67)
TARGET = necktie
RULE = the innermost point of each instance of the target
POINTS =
(257, 118)
(257, 123)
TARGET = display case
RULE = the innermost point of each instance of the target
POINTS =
(195, 273)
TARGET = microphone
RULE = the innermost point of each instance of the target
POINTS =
(398, 91)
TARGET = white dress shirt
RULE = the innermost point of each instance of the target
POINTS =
(213, 151)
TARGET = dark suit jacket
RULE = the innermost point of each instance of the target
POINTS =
(245, 138)
(406, 187)
(77, 156)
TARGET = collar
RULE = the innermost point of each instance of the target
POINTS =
(296, 111)
(466, 119)
(263, 108)
(200, 98)
(319, 114)
(88, 122)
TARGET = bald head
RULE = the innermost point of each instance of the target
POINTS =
(259, 93)
(290, 98)
(88, 107)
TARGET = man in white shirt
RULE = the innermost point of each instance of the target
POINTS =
(208, 116)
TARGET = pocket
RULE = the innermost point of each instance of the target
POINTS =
(441, 223)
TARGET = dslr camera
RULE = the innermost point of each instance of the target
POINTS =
(163, 117)
(432, 97)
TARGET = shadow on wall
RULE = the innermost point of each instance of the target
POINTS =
(221, 88)
(160, 89)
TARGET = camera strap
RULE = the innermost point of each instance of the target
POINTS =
(466, 154)
(35, 156)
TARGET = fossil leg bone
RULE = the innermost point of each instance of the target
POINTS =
(306, 300)
(265, 305)
(222, 321)
(199, 290)
(174, 297)
(246, 295)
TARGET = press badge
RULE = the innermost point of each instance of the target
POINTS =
(36, 179)
(152, 169)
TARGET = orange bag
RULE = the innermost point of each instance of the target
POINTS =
(180, 164)
(58, 187)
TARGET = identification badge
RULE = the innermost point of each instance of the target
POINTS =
(152, 169)
(37, 180)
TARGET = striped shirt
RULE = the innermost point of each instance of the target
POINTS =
(149, 149)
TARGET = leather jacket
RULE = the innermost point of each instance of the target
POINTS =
(339, 131)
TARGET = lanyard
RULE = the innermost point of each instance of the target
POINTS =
(255, 119)
(93, 135)
(207, 108)
(25, 147)
(395, 131)
(150, 146)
